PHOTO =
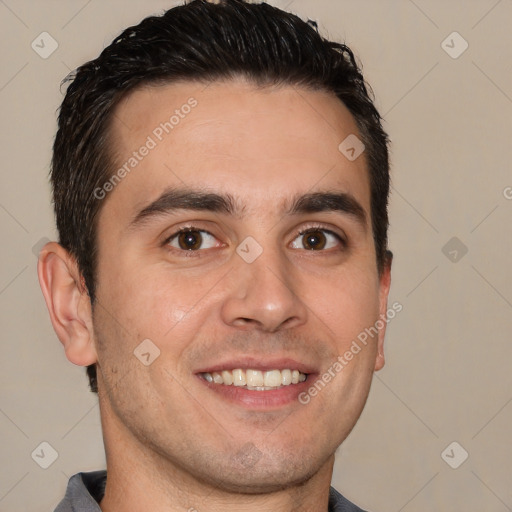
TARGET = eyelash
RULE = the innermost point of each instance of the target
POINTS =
(302, 232)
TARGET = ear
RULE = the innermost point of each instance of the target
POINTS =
(68, 303)
(384, 285)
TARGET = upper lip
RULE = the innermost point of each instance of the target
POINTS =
(262, 363)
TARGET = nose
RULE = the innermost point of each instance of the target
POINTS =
(264, 295)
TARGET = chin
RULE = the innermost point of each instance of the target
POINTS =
(256, 473)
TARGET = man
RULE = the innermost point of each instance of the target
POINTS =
(220, 180)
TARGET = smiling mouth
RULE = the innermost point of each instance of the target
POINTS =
(255, 380)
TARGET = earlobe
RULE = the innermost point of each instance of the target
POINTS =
(68, 303)
(379, 361)
(384, 286)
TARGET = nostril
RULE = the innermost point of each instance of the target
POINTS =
(244, 322)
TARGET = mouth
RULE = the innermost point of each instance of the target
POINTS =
(257, 385)
(255, 380)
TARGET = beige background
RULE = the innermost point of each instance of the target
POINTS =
(448, 352)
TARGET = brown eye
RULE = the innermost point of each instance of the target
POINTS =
(314, 240)
(192, 240)
(317, 239)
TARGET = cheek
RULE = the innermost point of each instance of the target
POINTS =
(152, 300)
(347, 303)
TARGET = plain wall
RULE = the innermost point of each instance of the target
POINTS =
(449, 351)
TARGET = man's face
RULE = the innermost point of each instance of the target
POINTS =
(292, 296)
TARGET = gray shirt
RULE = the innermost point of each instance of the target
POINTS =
(86, 490)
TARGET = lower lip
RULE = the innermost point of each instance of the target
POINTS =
(270, 399)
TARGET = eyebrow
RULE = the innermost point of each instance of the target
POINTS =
(172, 200)
(175, 199)
(341, 202)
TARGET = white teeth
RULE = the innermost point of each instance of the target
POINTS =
(255, 379)
(273, 378)
(239, 378)
(227, 378)
(217, 378)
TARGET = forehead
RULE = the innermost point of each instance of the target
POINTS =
(260, 145)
